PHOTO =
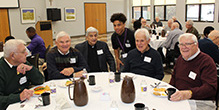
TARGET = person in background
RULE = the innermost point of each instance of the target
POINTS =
(192, 29)
(207, 30)
(137, 25)
(145, 25)
(169, 44)
(16, 75)
(144, 60)
(157, 22)
(122, 39)
(169, 24)
(194, 75)
(63, 60)
(12, 37)
(175, 20)
(210, 45)
(96, 53)
(36, 45)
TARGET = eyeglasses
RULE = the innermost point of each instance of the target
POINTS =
(186, 44)
(23, 52)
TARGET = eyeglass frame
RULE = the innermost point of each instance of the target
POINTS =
(186, 44)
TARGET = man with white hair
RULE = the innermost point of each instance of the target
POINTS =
(16, 75)
(144, 60)
(63, 60)
(192, 29)
(194, 74)
(96, 53)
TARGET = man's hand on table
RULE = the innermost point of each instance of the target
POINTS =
(181, 95)
(79, 74)
(26, 94)
(67, 71)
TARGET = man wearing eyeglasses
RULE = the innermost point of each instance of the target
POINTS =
(16, 75)
(195, 74)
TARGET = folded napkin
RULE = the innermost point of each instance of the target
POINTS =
(62, 102)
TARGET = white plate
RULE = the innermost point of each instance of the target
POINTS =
(96, 88)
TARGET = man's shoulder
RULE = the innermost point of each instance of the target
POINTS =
(79, 45)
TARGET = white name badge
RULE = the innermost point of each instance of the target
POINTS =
(124, 55)
(23, 80)
(147, 59)
(127, 45)
(99, 52)
(192, 75)
(72, 60)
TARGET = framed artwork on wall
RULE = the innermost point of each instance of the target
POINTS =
(70, 14)
(27, 15)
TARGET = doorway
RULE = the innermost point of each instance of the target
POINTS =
(95, 15)
(4, 24)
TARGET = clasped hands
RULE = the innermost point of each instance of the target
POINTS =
(70, 70)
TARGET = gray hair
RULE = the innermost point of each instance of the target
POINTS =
(91, 29)
(62, 34)
(170, 20)
(12, 46)
(144, 31)
(188, 36)
(190, 22)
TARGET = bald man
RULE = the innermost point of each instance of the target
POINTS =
(175, 20)
(170, 42)
(210, 45)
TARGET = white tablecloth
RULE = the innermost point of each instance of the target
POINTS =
(156, 43)
(95, 103)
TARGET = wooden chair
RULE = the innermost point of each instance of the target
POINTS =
(1, 46)
(47, 50)
(33, 60)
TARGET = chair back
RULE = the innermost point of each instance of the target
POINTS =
(176, 50)
(1, 46)
(33, 60)
(47, 50)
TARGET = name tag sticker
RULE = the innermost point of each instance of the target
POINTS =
(99, 52)
(127, 45)
(23, 80)
(147, 59)
(124, 55)
(192, 75)
(72, 60)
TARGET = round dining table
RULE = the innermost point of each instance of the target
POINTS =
(102, 94)
(156, 43)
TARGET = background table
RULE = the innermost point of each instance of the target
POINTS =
(94, 101)
(156, 43)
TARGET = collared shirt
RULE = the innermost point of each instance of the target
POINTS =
(9, 64)
(63, 53)
(193, 56)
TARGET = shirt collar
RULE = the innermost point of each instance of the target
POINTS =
(193, 56)
(9, 64)
(63, 53)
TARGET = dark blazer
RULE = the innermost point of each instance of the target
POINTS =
(104, 58)
(208, 47)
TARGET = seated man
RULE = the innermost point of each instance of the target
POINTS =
(175, 20)
(96, 53)
(63, 60)
(195, 74)
(145, 25)
(16, 74)
(169, 44)
(209, 46)
(36, 45)
(157, 22)
(169, 24)
(144, 60)
(192, 29)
